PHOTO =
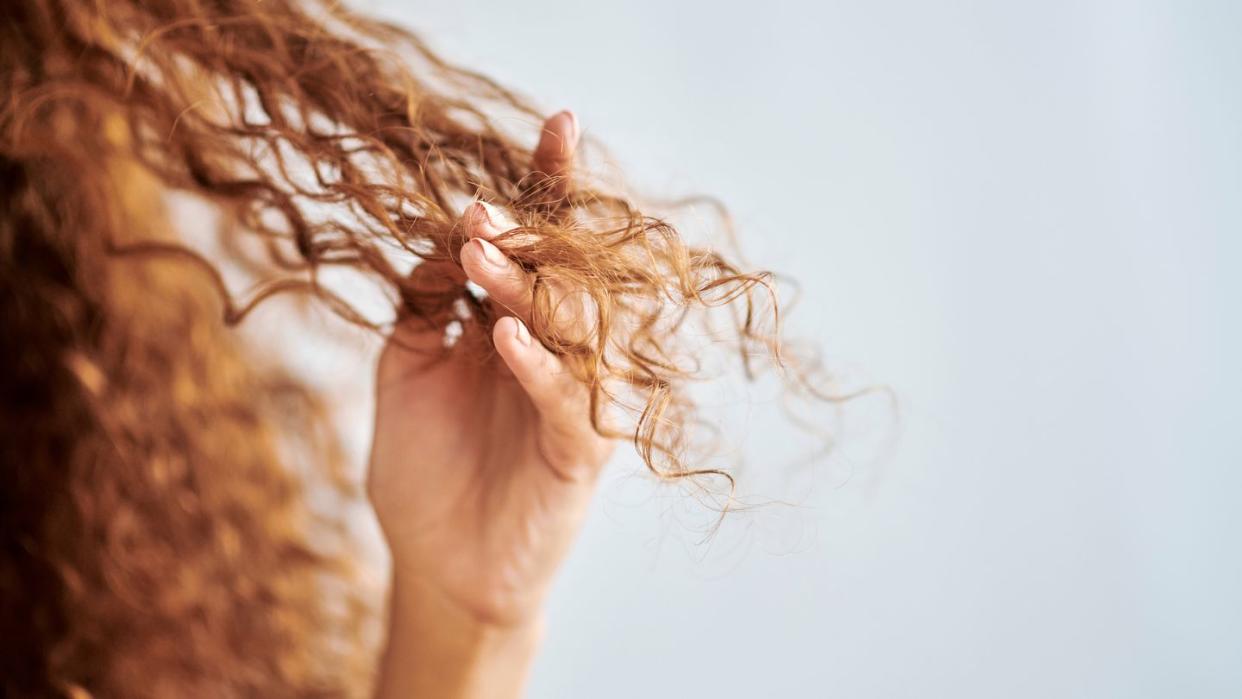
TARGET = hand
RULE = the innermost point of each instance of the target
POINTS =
(482, 469)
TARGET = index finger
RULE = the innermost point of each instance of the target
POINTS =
(554, 156)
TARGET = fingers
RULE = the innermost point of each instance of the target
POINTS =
(505, 282)
(560, 399)
(510, 286)
(482, 220)
(554, 156)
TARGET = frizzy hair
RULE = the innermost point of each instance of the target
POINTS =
(326, 140)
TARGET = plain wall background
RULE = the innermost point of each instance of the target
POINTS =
(1025, 218)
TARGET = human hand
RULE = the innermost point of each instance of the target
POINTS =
(481, 470)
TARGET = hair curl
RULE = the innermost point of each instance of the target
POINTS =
(155, 541)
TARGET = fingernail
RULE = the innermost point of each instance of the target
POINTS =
(491, 254)
(522, 334)
(490, 213)
(571, 128)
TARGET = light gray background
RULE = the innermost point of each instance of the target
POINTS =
(1025, 218)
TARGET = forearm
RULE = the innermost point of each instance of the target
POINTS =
(438, 650)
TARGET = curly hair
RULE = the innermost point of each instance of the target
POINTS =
(156, 538)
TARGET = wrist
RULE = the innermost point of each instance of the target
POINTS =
(437, 648)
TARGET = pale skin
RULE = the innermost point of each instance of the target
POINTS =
(481, 474)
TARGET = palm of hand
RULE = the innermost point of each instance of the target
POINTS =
(475, 499)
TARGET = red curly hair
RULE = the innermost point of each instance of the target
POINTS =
(156, 541)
